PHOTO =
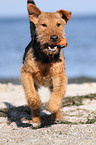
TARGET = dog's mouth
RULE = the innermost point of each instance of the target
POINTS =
(52, 48)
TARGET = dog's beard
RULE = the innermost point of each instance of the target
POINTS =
(45, 53)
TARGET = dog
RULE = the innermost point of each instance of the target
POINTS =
(44, 63)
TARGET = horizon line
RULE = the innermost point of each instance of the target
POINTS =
(26, 16)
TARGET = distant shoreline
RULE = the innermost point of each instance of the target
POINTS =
(26, 16)
(77, 80)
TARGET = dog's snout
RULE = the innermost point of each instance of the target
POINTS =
(54, 38)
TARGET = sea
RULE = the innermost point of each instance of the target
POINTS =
(80, 54)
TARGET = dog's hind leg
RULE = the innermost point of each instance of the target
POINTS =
(32, 96)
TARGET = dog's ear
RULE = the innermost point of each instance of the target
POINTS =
(66, 15)
(34, 12)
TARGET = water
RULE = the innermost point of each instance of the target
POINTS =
(80, 55)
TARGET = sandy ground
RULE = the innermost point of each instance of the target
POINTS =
(78, 126)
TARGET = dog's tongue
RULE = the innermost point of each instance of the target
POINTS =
(63, 43)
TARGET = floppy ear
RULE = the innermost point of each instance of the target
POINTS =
(66, 15)
(34, 12)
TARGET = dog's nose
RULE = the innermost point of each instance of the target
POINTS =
(54, 38)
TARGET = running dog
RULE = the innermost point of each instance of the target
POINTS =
(44, 63)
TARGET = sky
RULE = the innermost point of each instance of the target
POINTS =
(15, 8)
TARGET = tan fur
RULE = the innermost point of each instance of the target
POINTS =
(36, 73)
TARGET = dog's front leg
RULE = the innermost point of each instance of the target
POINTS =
(32, 96)
(58, 92)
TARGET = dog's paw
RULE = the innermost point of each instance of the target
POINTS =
(35, 125)
(58, 121)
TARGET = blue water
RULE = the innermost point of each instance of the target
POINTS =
(80, 55)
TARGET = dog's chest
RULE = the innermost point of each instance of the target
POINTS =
(43, 76)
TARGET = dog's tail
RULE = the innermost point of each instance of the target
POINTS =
(31, 2)
(32, 26)
(32, 31)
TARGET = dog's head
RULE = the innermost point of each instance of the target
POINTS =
(49, 28)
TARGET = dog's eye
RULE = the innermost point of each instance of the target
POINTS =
(58, 24)
(44, 25)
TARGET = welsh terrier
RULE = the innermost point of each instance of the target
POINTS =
(44, 63)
